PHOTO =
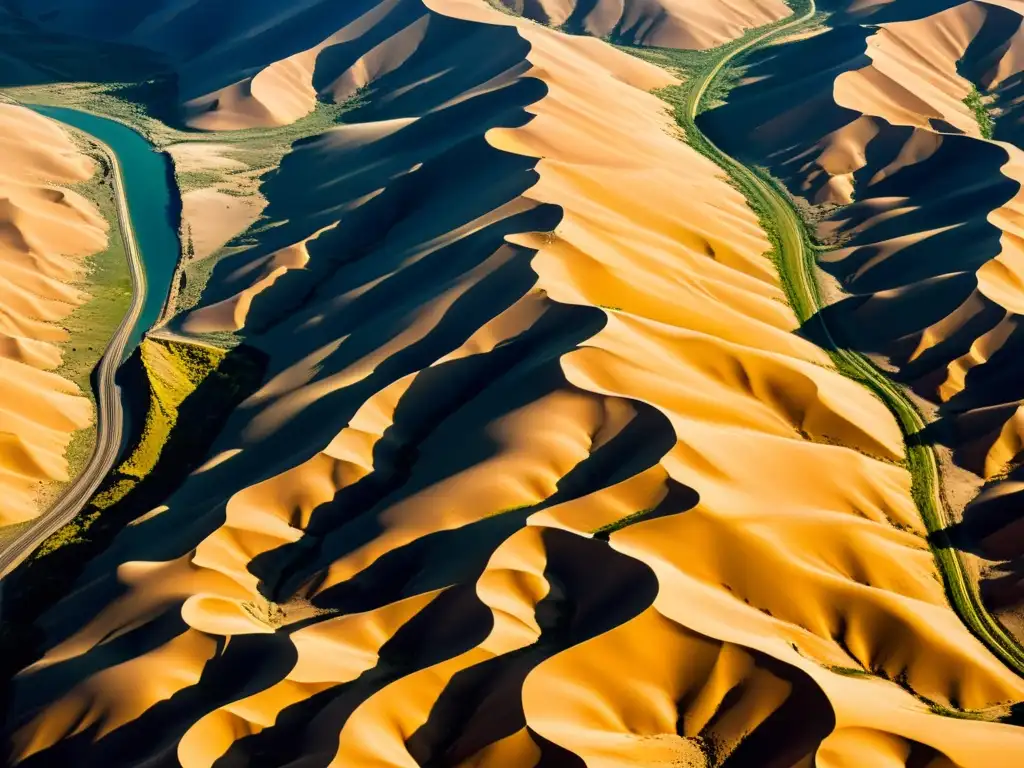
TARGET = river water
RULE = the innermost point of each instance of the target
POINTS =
(151, 203)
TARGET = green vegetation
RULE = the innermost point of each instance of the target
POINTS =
(794, 254)
(217, 382)
(146, 106)
(146, 112)
(173, 371)
(498, 5)
(107, 281)
(188, 180)
(978, 104)
(623, 522)
(851, 671)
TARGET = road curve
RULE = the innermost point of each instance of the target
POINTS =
(798, 263)
(109, 412)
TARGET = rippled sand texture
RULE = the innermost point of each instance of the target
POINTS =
(506, 308)
(933, 256)
(46, 233)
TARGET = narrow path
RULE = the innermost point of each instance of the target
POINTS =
(109, 412)
(798, 264)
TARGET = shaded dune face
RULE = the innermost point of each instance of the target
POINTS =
(45, 235)
(930, 250)
(668, 23)
(505, 308)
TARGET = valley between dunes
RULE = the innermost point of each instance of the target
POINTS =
(542, 471)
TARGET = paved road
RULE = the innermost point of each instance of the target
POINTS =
(110, 415)
(798, 263)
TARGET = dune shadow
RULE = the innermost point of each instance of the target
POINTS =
(481, 703)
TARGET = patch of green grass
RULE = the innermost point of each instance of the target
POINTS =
(174, 371)
(108, 282)
(193, 277)
(978, 105)
(498, 5)
(851, 671)
(188, 180)
(623, 522)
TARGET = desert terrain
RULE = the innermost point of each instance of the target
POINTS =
(926, 197)
(534, 463)
(49, 232)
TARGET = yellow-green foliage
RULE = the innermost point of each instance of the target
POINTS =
(174, 371)
(978, 104)
(72, 533)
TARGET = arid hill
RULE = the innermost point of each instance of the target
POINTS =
(542, 470)
(46, 233)
(930, 261)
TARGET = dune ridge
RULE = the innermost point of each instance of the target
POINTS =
(46, 233)
(929, 239)
(685, 24)
(507, 319)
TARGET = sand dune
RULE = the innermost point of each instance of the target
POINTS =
(930, 252)
(261, 65)
(45, 234)
(505, 308)
(668, 23)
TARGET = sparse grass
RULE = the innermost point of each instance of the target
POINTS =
(851, 671)
(623, 522)
(978, 105)
(498, 5)
(508, 510)
(174, 371)
(193, 276)
(189, 180)
(107, 281)
(141, 106)
(10, 532)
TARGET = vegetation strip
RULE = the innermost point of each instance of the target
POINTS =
(796, 262)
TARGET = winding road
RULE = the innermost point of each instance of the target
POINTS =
(798, 263)
(109, 411)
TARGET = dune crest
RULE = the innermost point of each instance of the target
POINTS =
(929, 258)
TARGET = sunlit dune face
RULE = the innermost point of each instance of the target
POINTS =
(889, 128)
(46, 234)
(541, 471)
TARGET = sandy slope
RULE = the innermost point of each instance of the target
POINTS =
(45, 235)
(692, 24)
(266, 64)
(932, 252)
(511, 308)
